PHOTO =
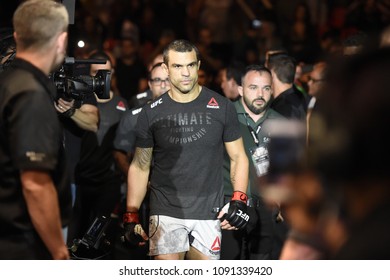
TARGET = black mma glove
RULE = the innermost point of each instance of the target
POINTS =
(237, 214)
(133, 230)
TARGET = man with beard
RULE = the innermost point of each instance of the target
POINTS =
(254, 114)
(185, 131)
(35, 200)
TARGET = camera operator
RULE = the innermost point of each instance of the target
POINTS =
(97, 178)
(35, 199)
(78, 115)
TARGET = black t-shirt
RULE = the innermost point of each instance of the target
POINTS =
(125, 134)
(96, 166)
(188, 144)
(30, 139)
(73, 133)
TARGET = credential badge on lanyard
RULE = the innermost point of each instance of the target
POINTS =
(259, 153)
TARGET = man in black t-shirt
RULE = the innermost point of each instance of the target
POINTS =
(35, 200)
(185, 131)
(96, 175)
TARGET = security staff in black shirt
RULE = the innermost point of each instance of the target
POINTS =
(35, 196)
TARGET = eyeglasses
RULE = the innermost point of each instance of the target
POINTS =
(315, 80)
(158, 81)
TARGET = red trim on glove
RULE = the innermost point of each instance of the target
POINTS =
(237, 195)
(130, 217)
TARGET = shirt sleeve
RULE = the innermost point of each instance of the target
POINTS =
(34, 131)
(232, 126)
(144, 135)
(125, 133)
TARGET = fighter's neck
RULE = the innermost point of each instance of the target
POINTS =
(180, 97)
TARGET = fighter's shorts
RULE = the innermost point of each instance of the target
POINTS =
(172, 235)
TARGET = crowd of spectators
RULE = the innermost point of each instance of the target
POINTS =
(223, 30)
(228, 34)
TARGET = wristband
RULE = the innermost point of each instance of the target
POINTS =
(69, 112)
(241, 196)
(130, 217)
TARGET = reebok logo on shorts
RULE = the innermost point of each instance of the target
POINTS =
(216, 246)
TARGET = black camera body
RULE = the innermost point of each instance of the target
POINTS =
(73, 83)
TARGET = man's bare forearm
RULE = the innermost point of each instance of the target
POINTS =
(239, 165)
(86, 120)
(42, 204)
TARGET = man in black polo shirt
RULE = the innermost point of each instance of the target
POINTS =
(35, 196)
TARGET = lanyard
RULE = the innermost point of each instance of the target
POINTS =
(253, 132)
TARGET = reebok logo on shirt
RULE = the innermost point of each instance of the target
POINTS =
(121, 106)
(213, 104)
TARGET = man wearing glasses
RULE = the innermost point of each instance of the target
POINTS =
(158, 84)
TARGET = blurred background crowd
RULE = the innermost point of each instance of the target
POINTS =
(136, 31)
(348, 182)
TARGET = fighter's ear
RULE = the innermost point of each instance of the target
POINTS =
(165, 67)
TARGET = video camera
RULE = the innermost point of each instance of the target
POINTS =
(71, 80)
(71, 85)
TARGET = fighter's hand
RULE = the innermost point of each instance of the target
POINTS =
(134, 234)
(234, 215)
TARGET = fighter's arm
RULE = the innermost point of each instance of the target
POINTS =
(42, 204)
(138, 177)
(137, 185)
(239, 165)
(239, 173)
